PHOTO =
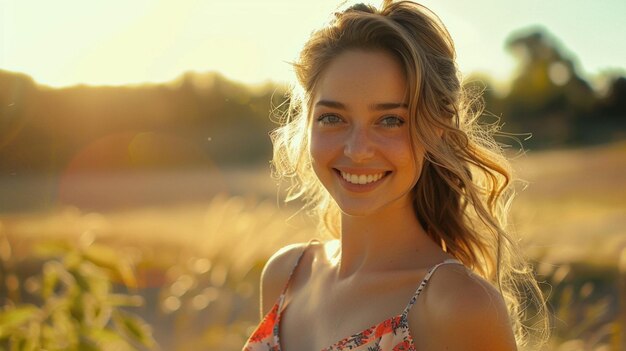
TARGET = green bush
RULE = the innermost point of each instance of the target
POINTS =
(77, 307)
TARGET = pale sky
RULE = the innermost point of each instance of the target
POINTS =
(115, 42)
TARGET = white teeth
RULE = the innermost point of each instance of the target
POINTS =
(361, 179)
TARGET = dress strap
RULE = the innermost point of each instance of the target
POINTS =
(296, 265)
(281, 299)
(422, 285)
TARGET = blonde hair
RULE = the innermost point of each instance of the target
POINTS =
(464, 192)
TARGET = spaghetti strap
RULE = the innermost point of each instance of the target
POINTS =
(422, 285)
(296, 265)
(278, 307)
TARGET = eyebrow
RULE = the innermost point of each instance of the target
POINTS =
(376, 107)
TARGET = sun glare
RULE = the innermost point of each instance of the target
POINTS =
(119, 42)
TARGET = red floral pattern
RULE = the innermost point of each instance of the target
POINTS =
(392, 331)
(265, 328)
(383, 328)
(389, 335)
(404, 346)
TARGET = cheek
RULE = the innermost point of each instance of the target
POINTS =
(316, 148)
(321, 150)
(407, 159)
(325, 144)
(403, 154)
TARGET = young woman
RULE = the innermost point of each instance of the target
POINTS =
(382, 142)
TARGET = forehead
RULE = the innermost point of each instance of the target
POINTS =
(358, 76)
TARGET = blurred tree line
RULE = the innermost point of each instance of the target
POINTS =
(196, 121)
(549, 100)
(205, 120)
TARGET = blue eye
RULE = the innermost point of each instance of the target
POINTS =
(391, 121)
(329, 119)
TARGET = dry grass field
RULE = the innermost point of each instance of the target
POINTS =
(574, 207)
(197, 263)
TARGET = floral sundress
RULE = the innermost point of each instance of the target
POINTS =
(389, 335)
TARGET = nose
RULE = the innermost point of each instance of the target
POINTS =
(358, 145)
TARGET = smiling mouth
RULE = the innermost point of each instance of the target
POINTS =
(362, 179)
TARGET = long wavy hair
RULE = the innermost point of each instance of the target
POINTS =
(464, 192)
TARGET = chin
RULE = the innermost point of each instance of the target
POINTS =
(363, 209)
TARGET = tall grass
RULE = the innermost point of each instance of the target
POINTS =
(196, 267)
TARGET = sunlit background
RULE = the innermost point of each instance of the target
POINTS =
(62, 43)
(134, 160)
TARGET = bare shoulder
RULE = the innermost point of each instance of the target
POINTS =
(276, 272)
(459, 310)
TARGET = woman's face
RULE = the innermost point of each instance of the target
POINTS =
(360, 144)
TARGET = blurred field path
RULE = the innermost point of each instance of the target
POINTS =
(572, 209)
(574, 206)
(123, 190)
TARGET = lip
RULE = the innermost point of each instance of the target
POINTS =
(360, 188)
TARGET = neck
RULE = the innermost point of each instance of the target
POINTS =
(381, 242)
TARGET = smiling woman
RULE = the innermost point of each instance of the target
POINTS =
(359, 133)
(382, 142)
